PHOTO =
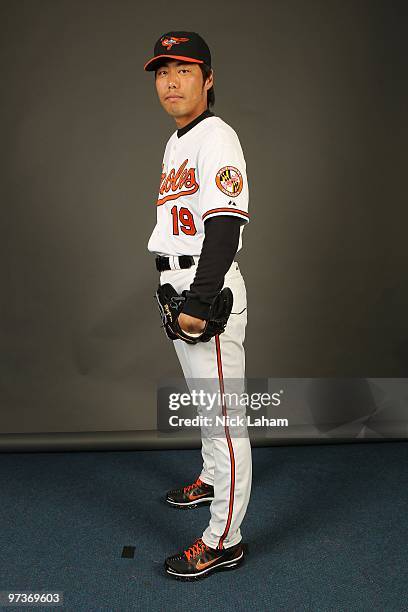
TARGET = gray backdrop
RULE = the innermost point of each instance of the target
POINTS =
(317, 94)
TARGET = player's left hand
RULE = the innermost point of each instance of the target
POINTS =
(189, 324)
(179, 325)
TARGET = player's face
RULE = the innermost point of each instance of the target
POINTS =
(181, 90)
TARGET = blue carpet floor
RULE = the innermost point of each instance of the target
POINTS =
(326, 528)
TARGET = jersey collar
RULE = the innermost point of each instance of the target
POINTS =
(186, 128)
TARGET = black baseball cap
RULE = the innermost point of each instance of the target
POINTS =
(186, 46)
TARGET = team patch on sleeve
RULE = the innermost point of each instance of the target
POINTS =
(229, 180)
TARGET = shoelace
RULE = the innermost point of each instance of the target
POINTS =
(188, 488)
(194, 550)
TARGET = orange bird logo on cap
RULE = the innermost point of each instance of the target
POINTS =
(173, 40)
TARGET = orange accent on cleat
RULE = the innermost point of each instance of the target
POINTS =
(196, 549)
(197, 483)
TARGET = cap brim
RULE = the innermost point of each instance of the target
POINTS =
(155, 61)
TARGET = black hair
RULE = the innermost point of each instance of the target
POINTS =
(206, 71)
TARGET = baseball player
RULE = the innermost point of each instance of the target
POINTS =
(202, 208)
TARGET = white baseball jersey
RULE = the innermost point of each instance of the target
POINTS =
(203, 176)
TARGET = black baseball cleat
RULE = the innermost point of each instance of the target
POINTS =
(191, 496)
(199, 560)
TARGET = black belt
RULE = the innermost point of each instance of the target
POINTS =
(177, 262)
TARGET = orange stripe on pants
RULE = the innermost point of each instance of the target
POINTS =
(230, 448)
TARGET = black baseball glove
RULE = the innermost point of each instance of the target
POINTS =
(171, 303)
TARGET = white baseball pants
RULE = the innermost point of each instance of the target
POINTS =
(227, 461)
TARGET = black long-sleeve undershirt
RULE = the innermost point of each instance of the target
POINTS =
(220, 245)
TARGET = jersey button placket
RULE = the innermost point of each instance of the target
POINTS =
(173, 154)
